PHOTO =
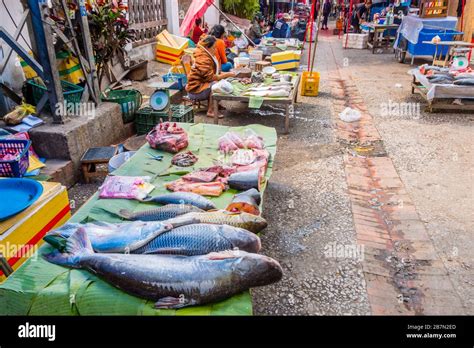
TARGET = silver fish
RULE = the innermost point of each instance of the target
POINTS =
(115, 238)
(201, 239)
(165, 212)
(172, 281)
(183, 198)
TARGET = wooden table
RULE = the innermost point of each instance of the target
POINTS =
(96, 156)
(376, 37)
(289, 102)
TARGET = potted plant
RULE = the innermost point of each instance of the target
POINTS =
(109, 31)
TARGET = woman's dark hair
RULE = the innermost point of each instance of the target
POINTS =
(217, 31)
(198, 21)
(208, 41)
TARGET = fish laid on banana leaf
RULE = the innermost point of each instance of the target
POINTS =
(183, 198)
(165, 212)
(112, 238)
(172, 281)
(250, 222)
(201, 239)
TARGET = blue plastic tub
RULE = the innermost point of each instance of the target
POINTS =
(180, 80)
(421, 49)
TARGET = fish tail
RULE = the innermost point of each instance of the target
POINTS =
(126, 214)
(77, 246)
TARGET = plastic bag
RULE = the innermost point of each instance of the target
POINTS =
(18, 114)
(222, 87)
(126, 187)
(350, 115)
(168, 137)
(253, 140)
(229, 142)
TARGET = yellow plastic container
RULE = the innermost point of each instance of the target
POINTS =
(286, 60)
(170, 48)
(310, 83)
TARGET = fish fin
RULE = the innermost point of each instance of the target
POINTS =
(170, 302)
(77, 246)
(126, 214)
(55, 240)
(182, 220)
(222, 255)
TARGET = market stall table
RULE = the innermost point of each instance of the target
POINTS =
(376, 35)
(441, 96)
(42, 288)
(437, 57)
(288, 102)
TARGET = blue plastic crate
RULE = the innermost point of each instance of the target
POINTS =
(421, 49)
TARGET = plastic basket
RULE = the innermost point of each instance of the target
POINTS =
(146, 118)
(72, 93)
(180, 80)
(130, 101)
(17, 167)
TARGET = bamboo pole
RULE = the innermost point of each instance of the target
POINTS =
(317, 34)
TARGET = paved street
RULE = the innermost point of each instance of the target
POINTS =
(373, 217)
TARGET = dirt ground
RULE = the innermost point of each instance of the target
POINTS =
(306, 203)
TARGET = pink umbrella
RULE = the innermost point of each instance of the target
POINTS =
(196, 10)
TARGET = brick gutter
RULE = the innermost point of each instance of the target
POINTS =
(403, 273)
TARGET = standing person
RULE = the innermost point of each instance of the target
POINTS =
(361, 11)
(326, 13)
(197, 31)
(281, 28)
(218, 32)
(204, 72)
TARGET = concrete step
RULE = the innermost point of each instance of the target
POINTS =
(60, 171)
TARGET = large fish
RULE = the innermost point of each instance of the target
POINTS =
(201, 239)
(183, 198)
(113, 238)
(170, 280)
(165, 212)
(250, 222)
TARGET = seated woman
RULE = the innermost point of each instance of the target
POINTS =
(204, 72)
(218, 32)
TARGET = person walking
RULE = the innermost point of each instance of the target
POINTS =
(326, 12)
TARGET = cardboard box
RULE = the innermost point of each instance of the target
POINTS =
(358, 41)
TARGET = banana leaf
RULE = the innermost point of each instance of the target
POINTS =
(41, 288)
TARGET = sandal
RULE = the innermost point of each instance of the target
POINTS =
(218, 116)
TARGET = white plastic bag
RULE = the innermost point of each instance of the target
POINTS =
(222, 87)
(350, 115)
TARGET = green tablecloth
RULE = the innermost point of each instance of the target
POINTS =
(41, 288)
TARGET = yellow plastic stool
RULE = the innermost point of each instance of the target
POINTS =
(310, 83)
